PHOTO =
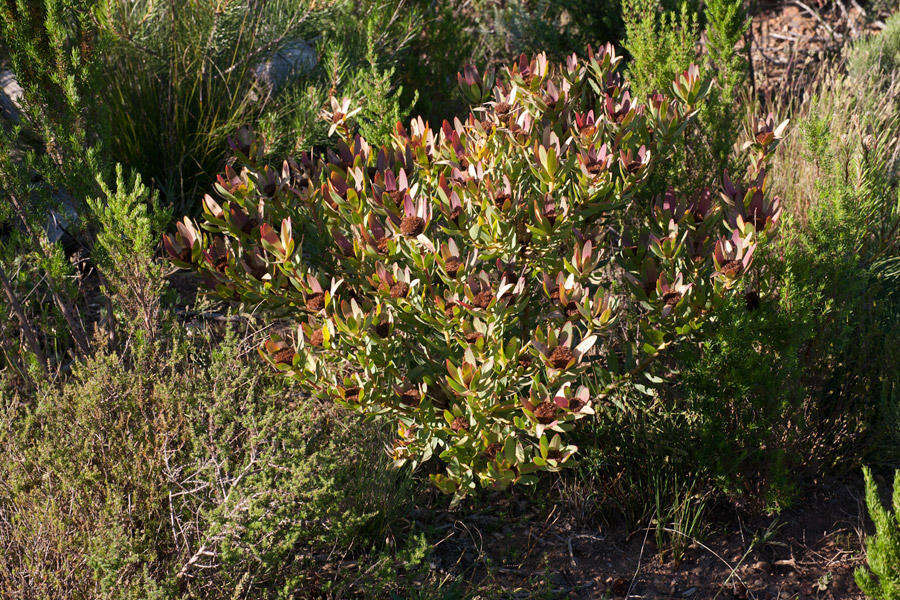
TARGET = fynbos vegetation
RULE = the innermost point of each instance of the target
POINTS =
(485, 285)
(318, 299)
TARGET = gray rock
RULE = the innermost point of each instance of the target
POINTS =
(285, 64)
(10, 96)
(62, 219)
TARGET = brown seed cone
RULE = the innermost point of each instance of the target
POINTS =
(671, 298)
(381, 244)
(459, 424)
(452, 266)
(732, 268)
(383, 329)
(594, 167)
(410, 397)
(493, 449)
(575, 404)
(285, 356)
(473, 336)
(545, 412)
(351, 394)
(399, 289)
(571, 310)
(315, 301)
(483, 299)
(412, 226)
(316, 338)
(560, 357)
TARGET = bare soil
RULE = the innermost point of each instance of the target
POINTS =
(791, 41)
(806, 553)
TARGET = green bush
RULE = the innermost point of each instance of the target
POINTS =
(179, 76)
(798, 377)
(878, 56)
(466, 281)
(129, 223)
(663, 42)
(881, 581)
(183, 472)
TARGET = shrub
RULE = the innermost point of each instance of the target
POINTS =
(488, 284)
(881, 581)
(878, 56)
(663, 43)
(129, 222)
(180, 471)
(797, 378)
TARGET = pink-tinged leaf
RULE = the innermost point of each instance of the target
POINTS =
(286, 233)
(186, 229)
(212, 207)
(390, 182)
(343, 243)
(748, 255)
(585, 345)
(170, 247)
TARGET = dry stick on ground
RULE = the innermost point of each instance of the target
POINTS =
(850, 25)
(638, 568)
(819, 18)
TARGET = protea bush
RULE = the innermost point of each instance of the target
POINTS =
(488, 284)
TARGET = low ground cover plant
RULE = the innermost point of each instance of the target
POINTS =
(486, 285)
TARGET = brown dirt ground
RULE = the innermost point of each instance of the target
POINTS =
(806, 553)
(791, 40)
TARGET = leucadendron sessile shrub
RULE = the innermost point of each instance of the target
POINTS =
(488, 284)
